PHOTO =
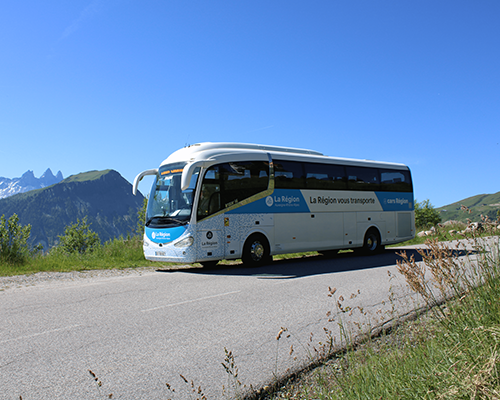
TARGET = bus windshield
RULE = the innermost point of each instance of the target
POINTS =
(168, 205)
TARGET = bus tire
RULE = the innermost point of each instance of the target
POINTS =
(372, 243)
(256, 251)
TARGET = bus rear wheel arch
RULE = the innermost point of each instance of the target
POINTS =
(372, 243)
(256, 251)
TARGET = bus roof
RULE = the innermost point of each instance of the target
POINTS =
(224, 151)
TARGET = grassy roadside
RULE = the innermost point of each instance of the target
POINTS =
(423, 359)
(118, 253)
(449, 352)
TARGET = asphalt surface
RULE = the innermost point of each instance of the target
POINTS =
(139, 331)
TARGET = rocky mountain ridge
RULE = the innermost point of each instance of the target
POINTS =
(27, 182)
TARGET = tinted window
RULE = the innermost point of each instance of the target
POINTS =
(227, 184)
(325, 176)
(395, 180)
(289, 175)
(362, 178)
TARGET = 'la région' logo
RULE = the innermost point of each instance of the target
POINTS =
(160, 235)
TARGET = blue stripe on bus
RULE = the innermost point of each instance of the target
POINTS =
(164, 235)
(396, 201)
(293, 201)
(281, 201)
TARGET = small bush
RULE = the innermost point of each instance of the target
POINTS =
(14, 248)
(141, 217)
(79, 238)
(426, 215)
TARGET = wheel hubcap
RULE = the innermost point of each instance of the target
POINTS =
(371, 243)
(257, 251)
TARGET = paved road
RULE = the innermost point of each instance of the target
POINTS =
(137, 332)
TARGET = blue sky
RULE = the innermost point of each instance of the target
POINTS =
(92, 85)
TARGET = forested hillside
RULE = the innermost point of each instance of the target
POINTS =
(105, 197)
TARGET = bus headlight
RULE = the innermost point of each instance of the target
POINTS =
(185, 242)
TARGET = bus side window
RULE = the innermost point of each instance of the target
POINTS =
(325, 176)
(362, 178)
(289, 175)
(395, 180)
(209, 202)
(242, 180)
(227, 184)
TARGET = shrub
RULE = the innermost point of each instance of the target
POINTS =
(79, 238)
(14, 248)
(141, 217)
(426, 215)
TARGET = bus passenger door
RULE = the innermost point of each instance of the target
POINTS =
(232, 241)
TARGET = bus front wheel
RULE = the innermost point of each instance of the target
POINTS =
(372, 243)
(256, 251)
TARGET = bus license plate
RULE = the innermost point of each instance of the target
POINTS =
(159, 253)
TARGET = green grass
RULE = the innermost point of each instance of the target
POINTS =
(423, 359)
(86, 176)
(450, 352)
(118, 253)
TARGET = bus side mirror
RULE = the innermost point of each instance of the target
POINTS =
(139, 177)
(187, 173)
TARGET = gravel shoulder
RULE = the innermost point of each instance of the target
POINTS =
(51, 279)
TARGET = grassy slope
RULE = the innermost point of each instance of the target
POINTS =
(86, 176)
(485, 204)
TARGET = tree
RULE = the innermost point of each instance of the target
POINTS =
(141, 217)
(79, 238)
(426, 215)
(14, 248)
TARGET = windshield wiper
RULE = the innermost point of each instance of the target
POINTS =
(166, 219)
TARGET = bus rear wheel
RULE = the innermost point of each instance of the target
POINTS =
(372, 243)
(256, 251)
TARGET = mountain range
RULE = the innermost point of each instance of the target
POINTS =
(27, 182)
(104, 197)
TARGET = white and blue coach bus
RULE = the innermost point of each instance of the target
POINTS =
(214, 201)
